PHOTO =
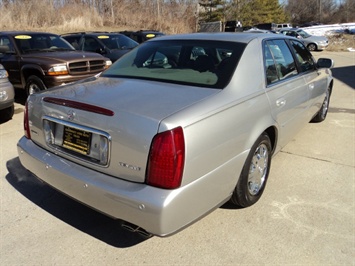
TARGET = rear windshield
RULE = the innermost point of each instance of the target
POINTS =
(198, 63)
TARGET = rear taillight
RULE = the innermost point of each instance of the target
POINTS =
(26, 125)
(166, 159)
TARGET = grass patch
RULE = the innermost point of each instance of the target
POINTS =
(341, 42)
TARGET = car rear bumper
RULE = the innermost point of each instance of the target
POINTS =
(160, 212)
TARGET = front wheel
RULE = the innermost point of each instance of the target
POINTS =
(252, 180)
(34, 84)
(322, 113)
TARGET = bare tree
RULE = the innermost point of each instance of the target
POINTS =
(320, 11)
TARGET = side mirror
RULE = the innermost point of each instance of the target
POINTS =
(325, 63)
(4, 49)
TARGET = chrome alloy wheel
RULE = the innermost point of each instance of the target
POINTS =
(33, 88)
(258, 169)
(325, 104)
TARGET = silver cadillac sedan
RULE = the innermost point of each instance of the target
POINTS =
(176, 127)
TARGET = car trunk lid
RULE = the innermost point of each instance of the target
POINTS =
(107, 124)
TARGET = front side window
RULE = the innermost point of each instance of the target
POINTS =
(197, 63)
(5, 45)
(91, 45)
(278, 61)
(303, 56)
(74, 41)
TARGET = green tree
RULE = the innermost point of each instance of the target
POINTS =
(211, 10)
(262, 11)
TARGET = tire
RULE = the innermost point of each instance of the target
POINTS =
(312, 47)
(252, 180)
(7, 114)
(34, 84)
(323, 111)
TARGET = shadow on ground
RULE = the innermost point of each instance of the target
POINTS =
(20, 96)
(69, 211)
(345, 75)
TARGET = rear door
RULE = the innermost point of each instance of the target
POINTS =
(286, 89)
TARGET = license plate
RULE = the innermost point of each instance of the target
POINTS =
(76, 140)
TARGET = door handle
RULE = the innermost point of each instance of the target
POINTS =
(280, 102)
(311, 86)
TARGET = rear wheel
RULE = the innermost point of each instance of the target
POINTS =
(322, 113)
(34, 84)
(252, 180)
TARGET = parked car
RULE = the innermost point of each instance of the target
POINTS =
(7, 96)
(38, 60)
(283, 26)
(312, 42)
(142, 35)
(177, 127)
(110, 45)
(233, 26)
(266, 26)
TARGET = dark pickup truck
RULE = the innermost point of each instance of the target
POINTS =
(36, 60)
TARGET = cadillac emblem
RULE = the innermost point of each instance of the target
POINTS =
(71, 115)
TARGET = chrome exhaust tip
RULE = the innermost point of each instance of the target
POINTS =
(135, 229)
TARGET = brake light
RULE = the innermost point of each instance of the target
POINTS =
(166, 159)
(26, 125)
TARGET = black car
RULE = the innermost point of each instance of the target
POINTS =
(142, 35)
(111, 45)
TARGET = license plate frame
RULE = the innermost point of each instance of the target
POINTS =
(76, 140)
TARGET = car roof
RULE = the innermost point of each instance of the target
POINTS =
(142, 31)
(242, 37)
(291, 29)
(95, 33)
(25, 32)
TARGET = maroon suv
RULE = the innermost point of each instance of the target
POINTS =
(36, 60)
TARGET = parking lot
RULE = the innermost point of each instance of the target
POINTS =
(306, 214)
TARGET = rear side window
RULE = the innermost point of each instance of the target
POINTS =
(191, 62)
(303, 57)
(278, 60)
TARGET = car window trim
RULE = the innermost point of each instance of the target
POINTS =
(300, 72)
(279, 81)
